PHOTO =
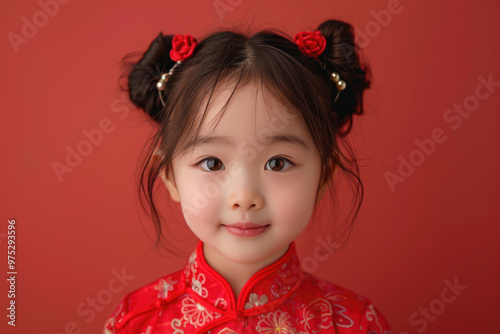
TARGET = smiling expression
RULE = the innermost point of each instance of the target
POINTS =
(249, 184)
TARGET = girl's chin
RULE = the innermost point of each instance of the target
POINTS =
(260, 254)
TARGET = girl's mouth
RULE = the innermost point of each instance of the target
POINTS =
(246, 229)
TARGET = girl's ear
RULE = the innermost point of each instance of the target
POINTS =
(324, 186)
(168, 180)
(170, 184)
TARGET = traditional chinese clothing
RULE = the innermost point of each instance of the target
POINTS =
(280, 298)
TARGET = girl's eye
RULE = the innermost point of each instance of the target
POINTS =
(211, 164)
(278, 164)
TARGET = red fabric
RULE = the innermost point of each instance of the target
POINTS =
(280, 298)
(312, 44)
(182, 47)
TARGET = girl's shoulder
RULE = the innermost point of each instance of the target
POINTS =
(348, 308)
(145, 299)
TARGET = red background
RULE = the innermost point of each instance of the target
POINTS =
(440, 224)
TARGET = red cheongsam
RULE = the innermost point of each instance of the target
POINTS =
(280, 298)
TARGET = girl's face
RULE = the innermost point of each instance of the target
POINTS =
(258, 165)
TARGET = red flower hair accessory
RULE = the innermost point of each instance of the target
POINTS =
(182, 48)
(312, 44)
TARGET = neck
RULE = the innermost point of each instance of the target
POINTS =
(235, 273)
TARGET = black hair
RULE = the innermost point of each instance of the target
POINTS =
(276, 61)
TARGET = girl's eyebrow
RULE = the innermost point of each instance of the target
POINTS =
(269, 140)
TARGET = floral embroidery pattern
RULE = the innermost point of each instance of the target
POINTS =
(197, 285)
(276, 322)
(176, 323)
(254, 301)
(278, 290)
(289, 302)
(194, 313)
(221, 303)
(109, 324)
(371, 315)
(318, 309)
(164, 287)
(341, 320)
(334, 296)
(192, 265)
(287, 276)
(227, 331)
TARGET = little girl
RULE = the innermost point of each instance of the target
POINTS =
(250, 132)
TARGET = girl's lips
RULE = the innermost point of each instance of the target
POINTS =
(246, 229)
(244, 225)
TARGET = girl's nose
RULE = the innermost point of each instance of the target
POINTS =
(245, 199)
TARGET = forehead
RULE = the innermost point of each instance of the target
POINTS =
(246, 109)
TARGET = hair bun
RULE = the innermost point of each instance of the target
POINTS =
(144, 74)
(343, 55)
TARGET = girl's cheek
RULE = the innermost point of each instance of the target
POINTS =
(293, 202)
(294, 197)
(200, 196)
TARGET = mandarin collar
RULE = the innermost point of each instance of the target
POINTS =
(266, 289)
